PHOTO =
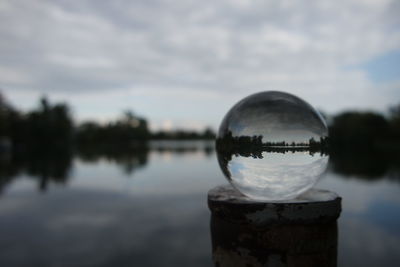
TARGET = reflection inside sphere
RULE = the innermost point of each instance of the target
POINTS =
(272, 146)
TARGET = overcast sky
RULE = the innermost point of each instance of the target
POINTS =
(185, 63)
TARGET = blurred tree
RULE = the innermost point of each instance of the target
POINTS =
(208, 134)
(128, 130)
(394, 119)
(357, 130)
(5, 117)
(49, 126)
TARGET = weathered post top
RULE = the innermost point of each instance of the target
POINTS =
(314, 206)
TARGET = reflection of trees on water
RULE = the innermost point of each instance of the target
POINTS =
(207, 150)
(129, 159)
(368, 164)
(47, 165)
(253, 146)
(224, 156)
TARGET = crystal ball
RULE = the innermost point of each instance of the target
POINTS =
(272, 146)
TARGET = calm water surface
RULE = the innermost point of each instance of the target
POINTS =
(150, 209)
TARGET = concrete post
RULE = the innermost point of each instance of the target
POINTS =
(299, 232)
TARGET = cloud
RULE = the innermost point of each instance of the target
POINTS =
(276, 177)
(227, 48)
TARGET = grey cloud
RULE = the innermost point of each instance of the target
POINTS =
(224, 46)
(276, 177)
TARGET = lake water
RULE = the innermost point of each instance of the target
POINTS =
(150, 209)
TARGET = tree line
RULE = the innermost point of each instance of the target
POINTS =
(256, 141)
(52, 126)
(366, 131)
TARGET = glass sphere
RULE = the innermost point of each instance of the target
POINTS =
(272, 146)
